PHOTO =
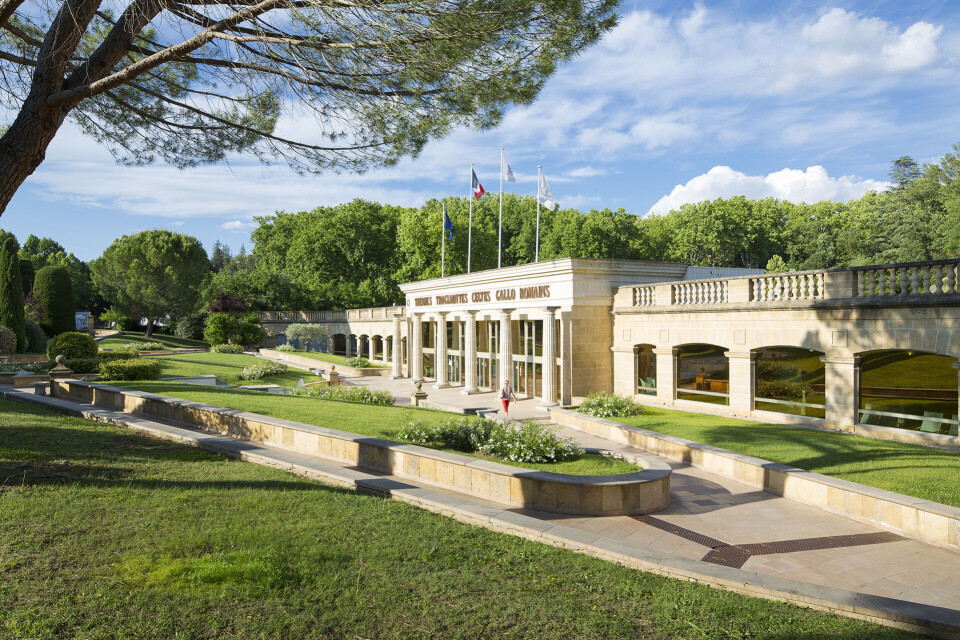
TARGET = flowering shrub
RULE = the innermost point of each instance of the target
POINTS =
(142, 346)
(286, 347)
(608, 405)
(351, 394)
(262, 370)
(518, 442)
(226, 348)
(357, 363)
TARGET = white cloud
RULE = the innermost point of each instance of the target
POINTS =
(794, 185)
(238, 225)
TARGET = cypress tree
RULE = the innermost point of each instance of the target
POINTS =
(26, 275)
(54, 293)
(11, 293)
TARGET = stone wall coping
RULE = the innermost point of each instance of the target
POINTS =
(865, 302)
(654, 469)
(829, 481)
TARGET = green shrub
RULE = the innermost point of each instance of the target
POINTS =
(286, 348)
(72, 344)
(190, 327)
(518, 442)
(608, 405)
(8, 341)
(27, 274)
(781, 389)
(232, 328)
(131, 369)
(357, 363)
(119, 354)
(773, 370)
(226, 348)
(80, 365)
(249, 331)
(36, 338)
(54, 294)
(351, 394)
(220, 328)
(258, 371)
(11, 294)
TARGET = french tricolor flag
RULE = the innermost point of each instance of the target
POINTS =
(477, 187)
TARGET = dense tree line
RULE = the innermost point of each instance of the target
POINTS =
(355, 254)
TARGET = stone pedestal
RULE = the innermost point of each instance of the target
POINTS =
(333, 376)
(60, 370)
(419, 395)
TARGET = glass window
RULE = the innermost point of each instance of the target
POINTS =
(703, 374)
(645, 365)
(790, 380)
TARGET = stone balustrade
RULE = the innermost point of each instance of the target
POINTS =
(893, 283)
(302, 316)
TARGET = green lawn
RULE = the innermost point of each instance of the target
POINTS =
(226, 366)
(105, 534)
(352, 417)
(332, 359)
(170, 342)
(913, 470)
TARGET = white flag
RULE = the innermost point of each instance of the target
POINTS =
(544, 196)
(506, 170)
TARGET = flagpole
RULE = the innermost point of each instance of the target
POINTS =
(443, 241)
(536, 255)
(500, 222)
(470, 221)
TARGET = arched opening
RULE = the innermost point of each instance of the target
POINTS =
(429, 342)
(363, 346)
(908, 390)
(789, 380)
(703, 374)
(339, 344)
(388, 349)
(645, 369)
(377, 342)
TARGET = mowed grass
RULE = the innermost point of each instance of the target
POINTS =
(170, 342)
(105, 533)
(913, 470)
(227, 367)
(332, 359)
(363, 419)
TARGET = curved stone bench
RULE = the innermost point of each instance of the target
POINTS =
(645, 491)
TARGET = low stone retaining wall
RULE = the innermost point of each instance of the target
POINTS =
(321, 364)
(23, 358)
(643, 492)
(914, 517)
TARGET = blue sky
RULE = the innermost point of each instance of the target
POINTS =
(681, 102)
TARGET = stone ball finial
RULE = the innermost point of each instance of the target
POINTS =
(333, 367)
(418, 385)
(60, 359)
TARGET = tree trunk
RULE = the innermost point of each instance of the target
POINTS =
(24, 145)
(149, 332)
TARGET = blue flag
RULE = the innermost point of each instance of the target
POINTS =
(446, 222)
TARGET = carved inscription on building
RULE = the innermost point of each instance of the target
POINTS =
(479, 297)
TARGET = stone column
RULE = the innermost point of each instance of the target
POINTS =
(349, 347)
(371, 350)
(440, 353)
(505, 367)
(742, 386)
(397, 366)
(566, 359)
(415, 349)
(842, 390)
(470, 354)
(666, 375)
(549, 366)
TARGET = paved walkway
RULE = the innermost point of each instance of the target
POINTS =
(716, 530)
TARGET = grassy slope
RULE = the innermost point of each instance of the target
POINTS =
(364, 419)
(171, 342)
(932, 474)
(227, 367)
(332, 359)
(107, 534)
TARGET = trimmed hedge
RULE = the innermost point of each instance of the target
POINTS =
(72, 345)
(11, 294)
(130, 369)
(54, 293)
(36, 338)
